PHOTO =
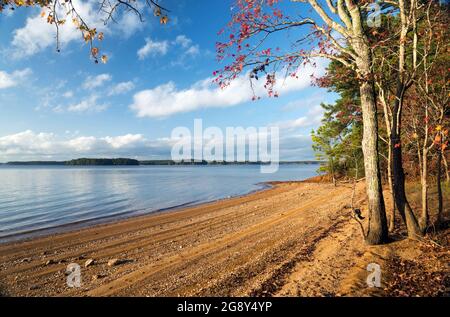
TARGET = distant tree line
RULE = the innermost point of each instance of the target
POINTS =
(103, 161)
(127, 161)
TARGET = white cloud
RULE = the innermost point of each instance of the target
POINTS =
(183, 40)
(166, 100)
(121, 88)
(89, 104)
(13, 79)
(153, 48)
(193, 50)
(37, 35)
(124, 141)
(312, 118)
(31, 145)
(309, 102)
(129, 23)
(96, 81)
(68, 94)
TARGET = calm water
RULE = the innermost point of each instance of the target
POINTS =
(38, 200)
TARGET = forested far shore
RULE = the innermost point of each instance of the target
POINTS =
(128, 162)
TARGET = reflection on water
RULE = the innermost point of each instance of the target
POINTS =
(36, 198)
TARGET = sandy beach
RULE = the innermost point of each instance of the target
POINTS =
(295, 239)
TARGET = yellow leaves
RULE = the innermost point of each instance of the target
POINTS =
(415, 135)
(50, 19)
(89, 35)
(438, 128)
(76, 22)
(61, 22)
(19, 3)
(104, 59)
(43, 13)
(164, 20)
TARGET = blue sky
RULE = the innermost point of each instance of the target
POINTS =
(62, 105)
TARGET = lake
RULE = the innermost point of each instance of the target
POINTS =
(36, 200)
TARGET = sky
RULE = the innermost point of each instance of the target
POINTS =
(61, 105)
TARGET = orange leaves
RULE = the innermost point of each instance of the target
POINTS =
(100, 36)
(87, 37)
(164, 19)
(94, 51)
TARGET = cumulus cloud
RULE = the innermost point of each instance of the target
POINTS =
(90, 104)
(183, 40)
(8, 80)
(68, 94)
(121, 88)
(153, 48)
(312, 118)
(37, 35)
(166, 100)
(92, 82)
(31, 145)
(193, 50)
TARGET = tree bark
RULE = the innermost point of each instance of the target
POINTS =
(401, 202)
(423, 222)
(439, 187)
(387, 122)
(377, 223)
(447, 174)
(391, 224)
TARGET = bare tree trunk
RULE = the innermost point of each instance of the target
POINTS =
(391, 225)
(423, 222)
(439, 187)
(398, 173)
(332, 171)
(447, 175)
(377, 224)
(387, 122)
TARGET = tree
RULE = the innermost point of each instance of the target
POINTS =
(60, 12)
(341, 35)
(404, 62)
(338, 139)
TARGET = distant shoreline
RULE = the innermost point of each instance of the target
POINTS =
(133, 162)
